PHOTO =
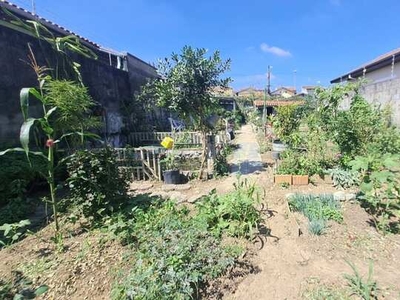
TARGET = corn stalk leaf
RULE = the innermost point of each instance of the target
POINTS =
(23, 150)
(24, 134)
(82, 134)
(49, 112)
(24, 101)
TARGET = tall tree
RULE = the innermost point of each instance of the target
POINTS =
(186, 85)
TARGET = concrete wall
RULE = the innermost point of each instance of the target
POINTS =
(382, 89)
(385, 93)
(107, 85)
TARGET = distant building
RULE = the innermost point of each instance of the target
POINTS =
(250, 93)
(285, 92)
(223, 91)
(271, 104)
(308, 90)
(383, 81)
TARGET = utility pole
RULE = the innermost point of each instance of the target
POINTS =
(33, 7)
(269, 80)
(267, 91)
(294, 79)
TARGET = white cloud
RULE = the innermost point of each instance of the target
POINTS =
(275, 50)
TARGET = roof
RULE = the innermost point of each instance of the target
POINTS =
(287, 88)
(249, 89)
(377, 63)
(309, 87)
(276, 102)
(27, 14)
(62, 30)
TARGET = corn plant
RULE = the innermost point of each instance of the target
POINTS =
(366, 289)
(47, 124)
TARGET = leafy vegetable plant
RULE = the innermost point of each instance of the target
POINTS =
(318, 209)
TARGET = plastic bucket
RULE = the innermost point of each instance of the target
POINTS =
(172, 177)
(278, 146)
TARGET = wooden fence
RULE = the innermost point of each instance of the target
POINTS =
(140, 163)
(155, 138)
(143, 163)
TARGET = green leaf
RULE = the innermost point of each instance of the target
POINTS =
(35, 93)
(41, 290)
(381, 176)
(24, 134)
(50, 111)
(391, 161)
(23, 223)
(366, 187)
(82, 134)
(18, 297)
(359, 163)
(6, 228)
(24, 101)
(23, 150)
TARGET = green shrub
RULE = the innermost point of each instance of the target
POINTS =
(96, 185)
(380, 187)
(12, 232)
(344, 178)
(286, 121)
(16, 174)
(234, 213)
(175, 255)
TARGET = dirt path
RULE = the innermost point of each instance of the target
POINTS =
(246, 159)
(290, 264)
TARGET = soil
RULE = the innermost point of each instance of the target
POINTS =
(288, 265)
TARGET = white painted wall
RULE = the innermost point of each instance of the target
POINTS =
(382, 89)
(383, 74)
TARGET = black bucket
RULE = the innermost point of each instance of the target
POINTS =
(172, 177)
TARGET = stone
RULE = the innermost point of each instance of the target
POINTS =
(288, 196)
(176, 187)
(350, 196)
(194, 198)
(339, 196)
(175, 196)
(136, 186)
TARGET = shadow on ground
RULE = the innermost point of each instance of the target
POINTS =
(247, 167)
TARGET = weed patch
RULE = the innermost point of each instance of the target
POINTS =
(175, 255)
(234, 213)
(318, 209)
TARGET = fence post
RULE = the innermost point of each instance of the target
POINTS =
(211, 154)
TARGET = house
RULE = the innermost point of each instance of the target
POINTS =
(271, 104)
(250, 93)
(111, 79)
(285, 92)
(225, 97)
(308, 90)
(383, 81)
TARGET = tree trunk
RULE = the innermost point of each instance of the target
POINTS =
(203, 155)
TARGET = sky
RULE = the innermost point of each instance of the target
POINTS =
(306, 42)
